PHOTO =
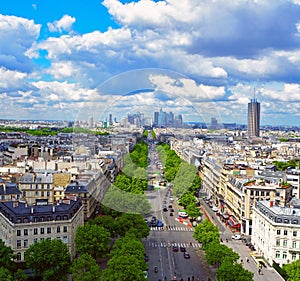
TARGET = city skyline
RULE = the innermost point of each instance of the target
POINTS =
(72, 60)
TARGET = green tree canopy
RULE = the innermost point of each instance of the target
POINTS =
(85, 268)
(216, 253)
(123, 268)
(6, 256)
(92, 239)
(49, 258)
(292, 270)
(136, 222)
(229, 271)
(108, 222)
(122, 201)
(206, 232)
(5, 274)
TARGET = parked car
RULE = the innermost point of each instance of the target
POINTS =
(159, 223)
(215, 209)
(236, 237)
(146, 257)
(186, 255)
(171, 214)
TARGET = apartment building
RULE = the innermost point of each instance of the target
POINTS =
(35, 186)
(293, 178)
(9, 191)
(277, 232)
(22, 225)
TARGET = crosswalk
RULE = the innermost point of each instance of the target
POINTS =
(171, 228)
(165, 244)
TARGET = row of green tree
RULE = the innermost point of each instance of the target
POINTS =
(52, 131)
(127, 193)
(219, 255)
(184, 176)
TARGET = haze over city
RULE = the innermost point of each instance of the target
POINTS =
(202, 59)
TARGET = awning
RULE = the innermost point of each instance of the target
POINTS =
(233, 223)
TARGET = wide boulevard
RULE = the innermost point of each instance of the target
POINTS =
(171, 265)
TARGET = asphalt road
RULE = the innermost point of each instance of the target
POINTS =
(159, 246)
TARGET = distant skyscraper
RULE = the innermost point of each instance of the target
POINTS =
(110, 120)
(253, 118)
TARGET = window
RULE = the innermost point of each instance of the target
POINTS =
(42, 239)
(35, 231)
(48, 193)
(35, 240)
(277, 255)
(262, 193)
(65, 229)
(256, 193)
(294, 244)
(268, 193)
(285, 232)
(42, 230)
(19, 256)
(26, 243)
(42, 193)
(295, 233)
(19, 244)
(65, 239)
(278, 231)
(18, 232)
(284, 243)
(277, 242)
(284, 255)
(251, 192)
(48, 230)
(58, 229)
(25, 232)
(293, 256)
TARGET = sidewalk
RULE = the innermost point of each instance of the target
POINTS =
(267, 274)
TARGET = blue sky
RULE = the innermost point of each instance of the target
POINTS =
(72, 59)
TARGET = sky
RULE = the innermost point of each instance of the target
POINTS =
(73, 59)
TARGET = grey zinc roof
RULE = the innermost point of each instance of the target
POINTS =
(76, 187)
(9, 188)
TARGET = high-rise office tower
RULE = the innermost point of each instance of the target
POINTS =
(253, 118)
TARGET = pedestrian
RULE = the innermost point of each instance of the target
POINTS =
(259, 270)
(247, 259)
(241, 261)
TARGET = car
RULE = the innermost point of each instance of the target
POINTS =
(182, 249)
(215, 209)
(186, 255)
(159, 223)
(146, 257)
(172, 210)
(165, 209)
(170, 206)
(236, 237)
(175, 248)
(171, 214)
(146, 275)
(154, 223)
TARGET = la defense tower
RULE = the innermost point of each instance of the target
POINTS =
(253, 118)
